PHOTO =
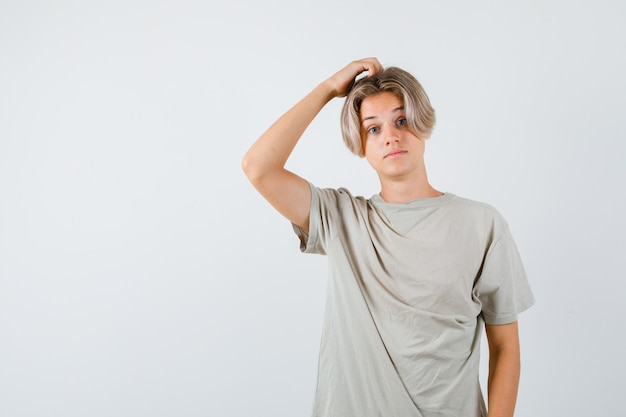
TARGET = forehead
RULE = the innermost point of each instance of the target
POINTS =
(379, 104)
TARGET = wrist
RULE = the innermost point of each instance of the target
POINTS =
(328, 89)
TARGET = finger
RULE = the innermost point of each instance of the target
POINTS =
(375, 67)
(367, 67)
(370, 65)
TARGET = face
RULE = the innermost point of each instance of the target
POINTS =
(390, 147)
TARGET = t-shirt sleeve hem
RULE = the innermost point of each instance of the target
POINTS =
(508, 318)
(496, 321)
(308, 239)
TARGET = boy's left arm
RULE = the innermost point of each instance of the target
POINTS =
(504, 369)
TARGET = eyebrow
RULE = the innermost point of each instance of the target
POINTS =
(373, 117)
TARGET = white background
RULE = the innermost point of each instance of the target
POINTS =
(141, 275)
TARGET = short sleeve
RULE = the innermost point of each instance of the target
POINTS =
(323, 214)
(503, 288)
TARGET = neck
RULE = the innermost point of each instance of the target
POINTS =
(401, 191)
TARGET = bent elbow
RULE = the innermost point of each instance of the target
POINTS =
(251, 169)
(245, 164)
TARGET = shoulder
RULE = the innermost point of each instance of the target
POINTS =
(475, 206)
(337, 196)
(472, 204)
(480, 213)
(333, 210)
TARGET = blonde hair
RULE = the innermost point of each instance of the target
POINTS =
(419, 113)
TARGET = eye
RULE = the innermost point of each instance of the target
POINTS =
(373, 130)
(401, 122)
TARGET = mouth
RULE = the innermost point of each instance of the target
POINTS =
(395, 153)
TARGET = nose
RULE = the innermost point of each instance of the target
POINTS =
(392, 135)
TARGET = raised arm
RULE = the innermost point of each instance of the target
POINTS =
(264, 163)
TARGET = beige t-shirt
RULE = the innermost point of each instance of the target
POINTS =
(409, 287)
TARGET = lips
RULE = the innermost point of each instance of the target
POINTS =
(395, 152)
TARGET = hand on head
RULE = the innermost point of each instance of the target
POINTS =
(343, 80)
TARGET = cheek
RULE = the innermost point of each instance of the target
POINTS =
(421, 144)
(371, 163)
(369, 153)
